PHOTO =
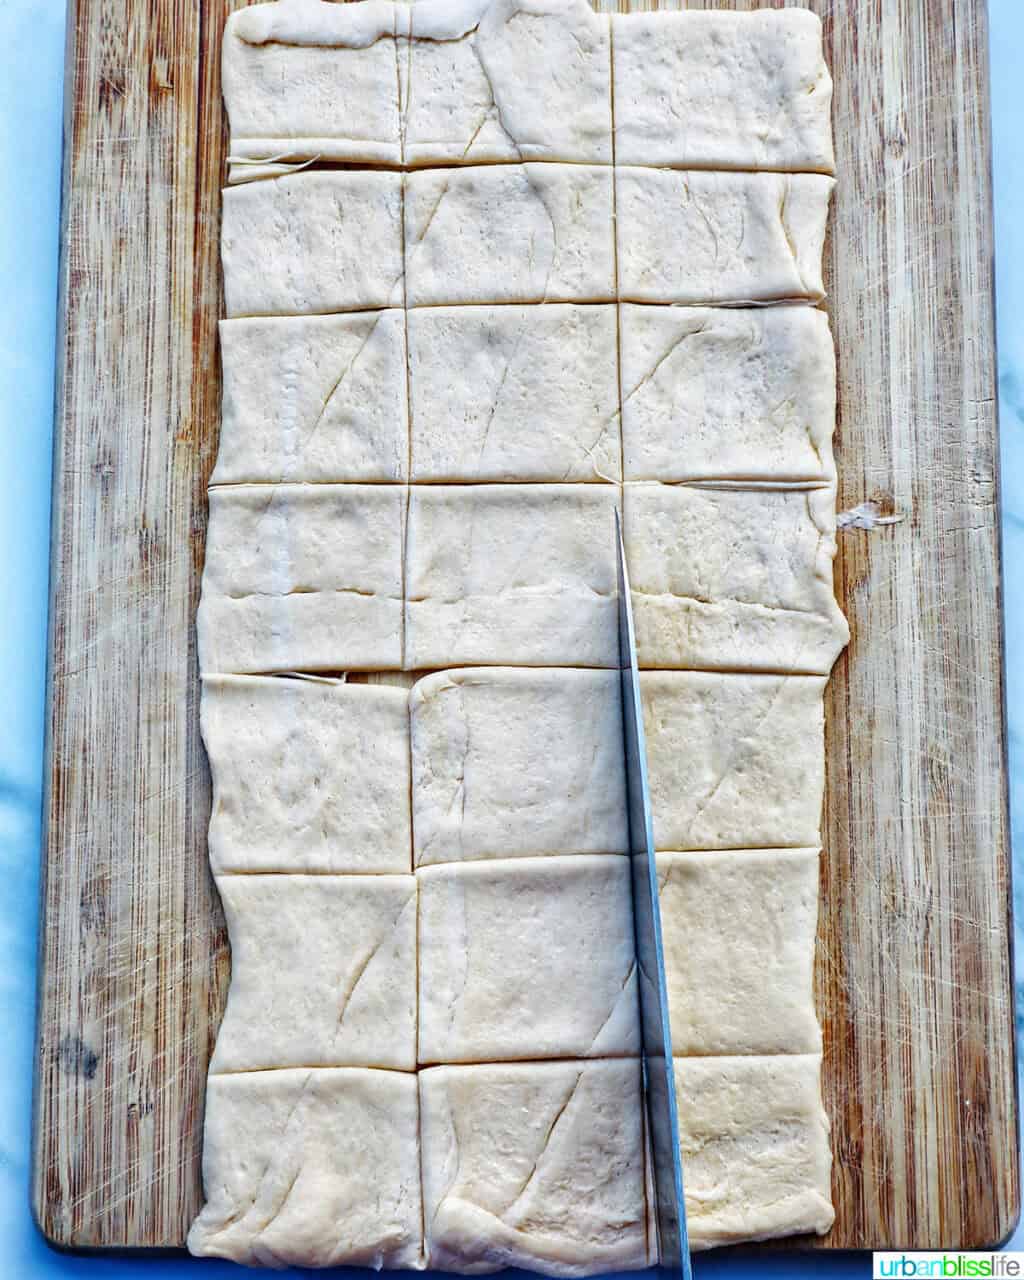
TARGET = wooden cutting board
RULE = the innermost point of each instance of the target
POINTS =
(914, 977)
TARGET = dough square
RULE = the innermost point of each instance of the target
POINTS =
(307, 82)
(532, 81)
(308, 775)
(534, 1164)
(513, 393)
(727, 394)
(302, 578)
(517, 575)
(754, 1140)
(511, 762)
(722, 90)
(699, 236)
(313, 242)
(738, 928)
(313, 398)
(733, 578)
(527, 958)
(323, 972)
(509, 233)
(286, 1173)
(734, 761)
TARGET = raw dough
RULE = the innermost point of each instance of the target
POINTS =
(323, 972)
(514, 393)
(527, 958)
(755, 1149)
(733, 578)
(735, 761)
(308, 775)
(302, 577)
(313, 242)
(727, 394)
(738, 929)
(510, 762)
(511, 574)
(722, 90)
(534, 1164)
(286, 1173)
(509, 233)
(531, 82)
(698, 236)
(313, 398)
(292, 98)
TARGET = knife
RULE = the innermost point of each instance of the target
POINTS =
(658, 1077)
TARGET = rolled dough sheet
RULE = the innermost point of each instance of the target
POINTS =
(511, 762)
(302, 578)
(313, 398)
(511, 574)
(527, 958)
(308, 775)
(735, 761)
(514, 393)
(748, 237)
(286, 1173)
(722, 90)
(510, 233)
(726, 579)
(313, 242)
(727, 394)
(755, 1148)
(531, 82)
(323, 972)
(739, 929)
(534, 1164)
(301, 83)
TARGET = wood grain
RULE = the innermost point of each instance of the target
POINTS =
(914, 978)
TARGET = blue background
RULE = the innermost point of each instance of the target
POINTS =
(31, 78)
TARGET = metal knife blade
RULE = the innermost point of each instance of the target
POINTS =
(659, 1079)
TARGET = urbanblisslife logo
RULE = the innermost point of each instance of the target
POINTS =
(946, 1266)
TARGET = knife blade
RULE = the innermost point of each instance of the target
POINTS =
(660, 1107)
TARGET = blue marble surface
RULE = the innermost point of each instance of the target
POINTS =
(31, 75)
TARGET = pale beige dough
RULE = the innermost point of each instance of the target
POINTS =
(287, 1175)
(527, 958)
(511, 762)
(514, 393)
(699, 236)
(735, 761)
(517, 575)
(323, 972)
(722, 90)
(732, 579)
(302, 577)
(738, 929)
(534, 1164)
(509, 233)
(313, 242)
(313, 398)
(755, 1147)
(531, 82)
(308, 775)
(302, 82)
(719, 393)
